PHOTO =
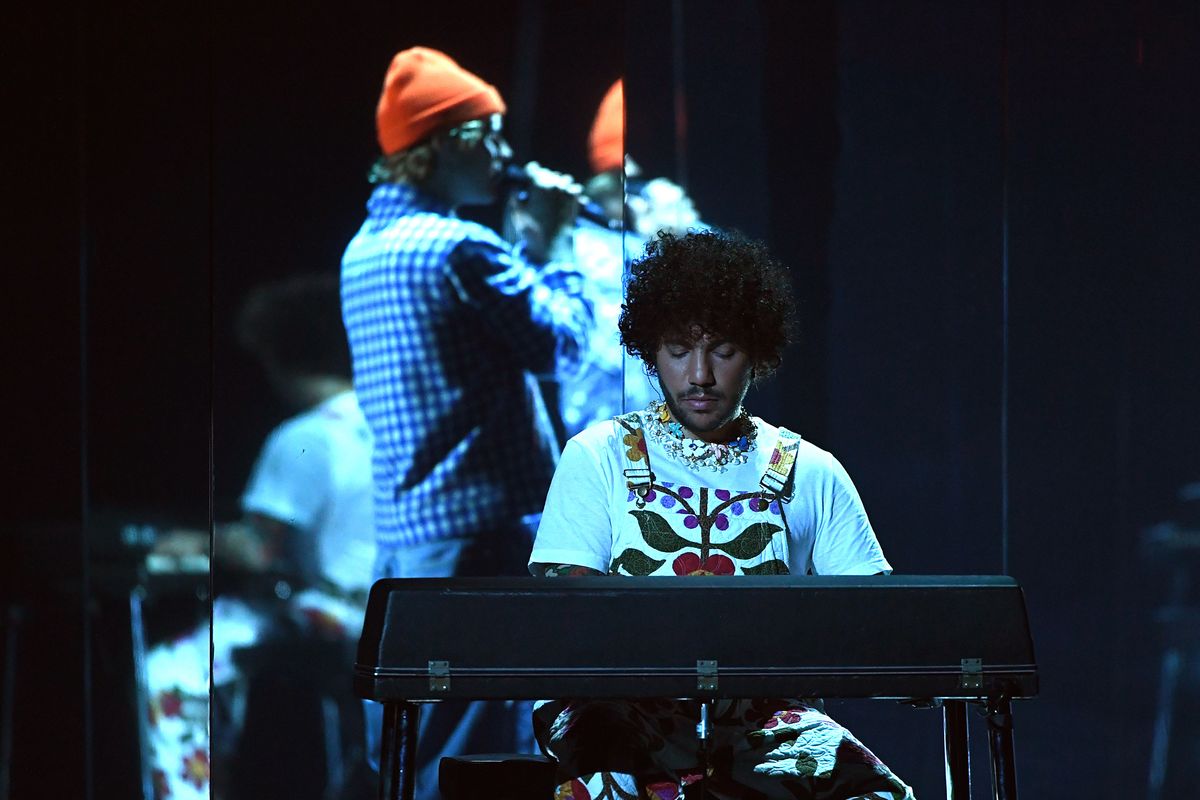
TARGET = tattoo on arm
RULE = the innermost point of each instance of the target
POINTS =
(567, 570)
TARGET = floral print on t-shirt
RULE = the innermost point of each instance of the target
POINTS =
(684, 530)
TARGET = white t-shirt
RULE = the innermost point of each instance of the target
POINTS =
(314, 474)
(592, 517)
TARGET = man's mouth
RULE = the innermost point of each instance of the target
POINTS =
(700, 402)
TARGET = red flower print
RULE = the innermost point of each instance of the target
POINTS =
(635, 445)
(170, 703)
(162, 789)
(690, 564)
(662, 790)
(787, 717)
(195, 768)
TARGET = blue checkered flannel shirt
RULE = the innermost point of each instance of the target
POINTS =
(448, 326)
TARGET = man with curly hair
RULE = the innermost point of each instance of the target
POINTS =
(695, 485)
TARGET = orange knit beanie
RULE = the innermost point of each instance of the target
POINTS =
(606, 142)
(426, 90)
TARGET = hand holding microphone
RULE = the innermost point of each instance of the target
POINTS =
(526, 186)
(541, 210)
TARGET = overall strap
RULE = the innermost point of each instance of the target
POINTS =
(636, 456)
(779, 469)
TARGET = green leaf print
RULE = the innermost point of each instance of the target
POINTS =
(635, 563)
(772, 567)
(658, 534)
(750, 542)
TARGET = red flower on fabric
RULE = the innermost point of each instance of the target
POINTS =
(195, 768)
(162, 788)
(690, 564)
(662, 790)
(635, 445)
(787, 717)
(572, 790)
(170, 703)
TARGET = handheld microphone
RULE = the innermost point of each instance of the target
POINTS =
(514, 178)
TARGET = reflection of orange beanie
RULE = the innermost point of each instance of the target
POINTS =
(426, 90)
(606, 142)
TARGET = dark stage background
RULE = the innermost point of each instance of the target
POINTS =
(990, 210)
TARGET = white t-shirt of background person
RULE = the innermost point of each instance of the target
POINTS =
(591, 516)
(314, 474)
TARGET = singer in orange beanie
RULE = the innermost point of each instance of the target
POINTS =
(606, 141)
(432, 110)
(448, 325)
(609, 383)
(425, 90)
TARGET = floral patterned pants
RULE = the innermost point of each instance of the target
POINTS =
(757, 749)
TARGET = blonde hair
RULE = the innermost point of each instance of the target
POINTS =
(411, 165)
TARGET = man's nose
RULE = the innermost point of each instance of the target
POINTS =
(700, 371)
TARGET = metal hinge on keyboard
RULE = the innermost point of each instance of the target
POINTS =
(439, 676)
(972, 674)
(706, 676)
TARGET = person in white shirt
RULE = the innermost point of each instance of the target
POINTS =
(696, 485)
(307, 518)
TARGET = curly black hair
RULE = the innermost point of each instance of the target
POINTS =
(727, 284)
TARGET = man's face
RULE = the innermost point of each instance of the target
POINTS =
(704, 381)
(471, 158)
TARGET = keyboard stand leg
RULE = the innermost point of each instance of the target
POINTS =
(958, 750)
(398, 751)
(1000, 737)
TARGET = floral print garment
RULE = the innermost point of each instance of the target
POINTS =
(673, 529)
(177, 728)
(758, 749)
(765, 748)
(685, 530)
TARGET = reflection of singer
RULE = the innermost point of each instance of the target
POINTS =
(633, 210)
(448, 325)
